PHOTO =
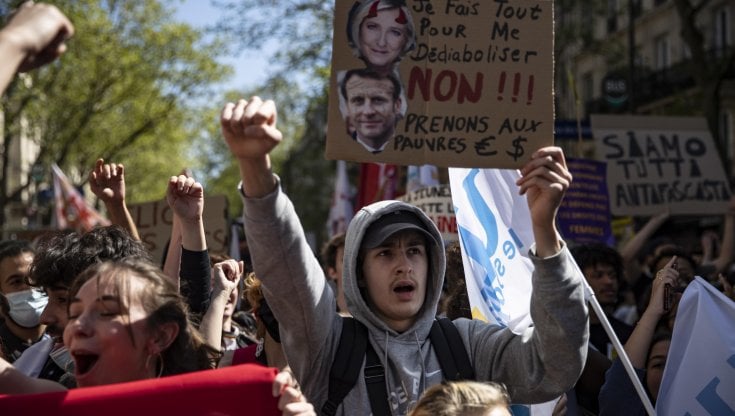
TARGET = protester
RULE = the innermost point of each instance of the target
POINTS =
(464, 398)
(394, 269)
(602, 267)
(34, 36)
(60, 258)
(381, 32)
(20, 305)
(455, 302)
(268, 351)
(217, 326)
(128, 322)
(107, 181)
(185, 197)
(333, 257)
(647, 350)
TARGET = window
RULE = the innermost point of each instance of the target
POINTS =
(588, 87)
(661, 59)
(612, 16)
(721, 30)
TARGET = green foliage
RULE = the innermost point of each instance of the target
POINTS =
(125, 91)
(301, 30)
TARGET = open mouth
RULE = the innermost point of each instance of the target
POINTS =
(404, 288)
(84, 362)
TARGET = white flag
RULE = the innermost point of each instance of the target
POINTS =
(340, 213)
(494, 226)
(495, 233)
(699, 378)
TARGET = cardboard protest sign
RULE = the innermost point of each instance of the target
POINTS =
(154, 220)
(436, 202)
(441, 82)
(660, 163)
(584, 214)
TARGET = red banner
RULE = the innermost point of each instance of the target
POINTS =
(238, 390)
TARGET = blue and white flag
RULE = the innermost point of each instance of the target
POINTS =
(699, 378)
(495, 234)
(494, 226)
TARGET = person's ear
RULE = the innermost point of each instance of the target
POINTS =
(163, 336)
(332, 273)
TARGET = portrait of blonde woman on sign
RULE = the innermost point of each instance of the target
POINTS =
(371, 105)
(381, 32)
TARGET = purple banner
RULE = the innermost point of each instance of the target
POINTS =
(584, 215)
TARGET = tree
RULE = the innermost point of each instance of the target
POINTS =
(709, 70)
(298, 82)
(125, 91)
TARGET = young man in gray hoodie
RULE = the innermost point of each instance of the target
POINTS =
(393, 273)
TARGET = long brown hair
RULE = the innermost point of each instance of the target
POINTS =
(163, 303)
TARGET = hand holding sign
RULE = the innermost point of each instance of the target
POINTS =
(545, 180)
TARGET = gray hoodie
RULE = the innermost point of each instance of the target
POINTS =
(536, 366)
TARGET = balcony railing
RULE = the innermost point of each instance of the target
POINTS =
(652, 86)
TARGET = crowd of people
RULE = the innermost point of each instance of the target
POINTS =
(91, 309)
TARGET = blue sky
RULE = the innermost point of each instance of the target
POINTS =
(249, 69)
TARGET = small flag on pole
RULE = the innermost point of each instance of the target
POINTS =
(340, 213)
(71, 210)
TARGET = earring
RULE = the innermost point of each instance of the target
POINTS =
(158, 364)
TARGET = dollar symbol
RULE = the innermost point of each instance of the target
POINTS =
(517, 148)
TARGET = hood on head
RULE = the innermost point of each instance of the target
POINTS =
(389, 218)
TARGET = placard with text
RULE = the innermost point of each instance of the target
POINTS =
(452, 83)
(657, 164)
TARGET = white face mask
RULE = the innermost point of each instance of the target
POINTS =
(26, 307)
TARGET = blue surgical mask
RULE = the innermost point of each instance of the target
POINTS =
(26, 307)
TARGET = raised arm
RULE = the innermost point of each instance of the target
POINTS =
(249, 127)
(225, 277)
(640, 339)
(34, 36)
(185, 196)
(633, 247)
(545, 179)
(107, 181)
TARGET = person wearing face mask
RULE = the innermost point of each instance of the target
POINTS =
(20, 305)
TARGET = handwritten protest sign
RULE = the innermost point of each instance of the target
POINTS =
(660, 163)
(154, 220)
(584, 214)
(436, 202)
(441, 82)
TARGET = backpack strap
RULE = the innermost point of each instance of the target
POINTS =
(450, 351)
(347, 363)
(375, 381)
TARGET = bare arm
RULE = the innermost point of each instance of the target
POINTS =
(633, 247)
(13, 381)
(172, 266)
(34, 36)
(640, 340)
(226, 276)
(107, 181)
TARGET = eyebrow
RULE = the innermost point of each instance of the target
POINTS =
(103, 298)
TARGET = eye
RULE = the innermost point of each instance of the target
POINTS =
(371, 26)
(397, 33)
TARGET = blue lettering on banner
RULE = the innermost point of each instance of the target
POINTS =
(491, 290)
(711, 401)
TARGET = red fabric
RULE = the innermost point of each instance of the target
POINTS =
(377, 183)
(238, 390)
(245, 355)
